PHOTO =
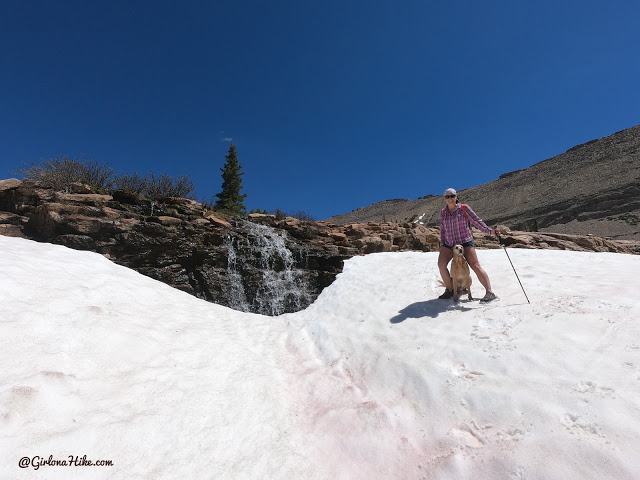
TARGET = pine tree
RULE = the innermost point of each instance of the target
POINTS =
(230, 200)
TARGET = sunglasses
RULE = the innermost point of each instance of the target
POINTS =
(450, 196)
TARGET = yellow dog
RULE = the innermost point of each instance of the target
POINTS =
(460, 274)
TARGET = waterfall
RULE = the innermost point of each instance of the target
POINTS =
(234, 288)
(281, 287)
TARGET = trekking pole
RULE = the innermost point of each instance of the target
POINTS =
(514, 269)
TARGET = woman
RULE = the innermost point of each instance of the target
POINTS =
(455, 230)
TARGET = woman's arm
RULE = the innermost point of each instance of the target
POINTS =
(477, 221)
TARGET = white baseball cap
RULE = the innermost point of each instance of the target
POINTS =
(451, 191)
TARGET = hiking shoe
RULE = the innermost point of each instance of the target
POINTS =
(447, 294)
(489, 297)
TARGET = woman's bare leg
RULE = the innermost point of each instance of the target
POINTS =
(474, 263)
(444, 258)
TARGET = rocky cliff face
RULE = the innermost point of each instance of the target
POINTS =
(175, 241)
(261, 264)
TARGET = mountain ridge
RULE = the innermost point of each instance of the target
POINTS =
(591, 188)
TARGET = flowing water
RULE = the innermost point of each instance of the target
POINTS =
(234, 288)
(282, 287)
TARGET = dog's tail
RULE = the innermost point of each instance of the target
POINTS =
(442, 283)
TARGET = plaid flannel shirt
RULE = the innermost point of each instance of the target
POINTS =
(454, 228)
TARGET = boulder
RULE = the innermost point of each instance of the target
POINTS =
(84, 199)
(78, 187)
(9, 183)
(165, 220)
(218, 221)
(339, 237)
(8, 230)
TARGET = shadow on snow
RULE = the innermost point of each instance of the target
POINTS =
(430, 308)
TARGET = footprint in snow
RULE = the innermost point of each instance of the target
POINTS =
(577, 425)
(461, 370)
(591, 388)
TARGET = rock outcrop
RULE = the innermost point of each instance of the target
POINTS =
(262, 264)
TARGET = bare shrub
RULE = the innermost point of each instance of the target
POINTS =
(130, 183)
(166, 186)
(60, 173)
(300, 215)
(279, 214)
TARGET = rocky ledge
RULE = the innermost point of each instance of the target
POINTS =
(262, 264)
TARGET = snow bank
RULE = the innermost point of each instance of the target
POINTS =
(376, 379)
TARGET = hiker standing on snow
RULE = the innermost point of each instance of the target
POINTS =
(456, 230)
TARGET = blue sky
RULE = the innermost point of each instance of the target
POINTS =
(332, 105)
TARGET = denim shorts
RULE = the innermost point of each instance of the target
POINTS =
(465, 245)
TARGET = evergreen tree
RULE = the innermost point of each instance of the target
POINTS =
(230, 199)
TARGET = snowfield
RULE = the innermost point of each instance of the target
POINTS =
(376, 379)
